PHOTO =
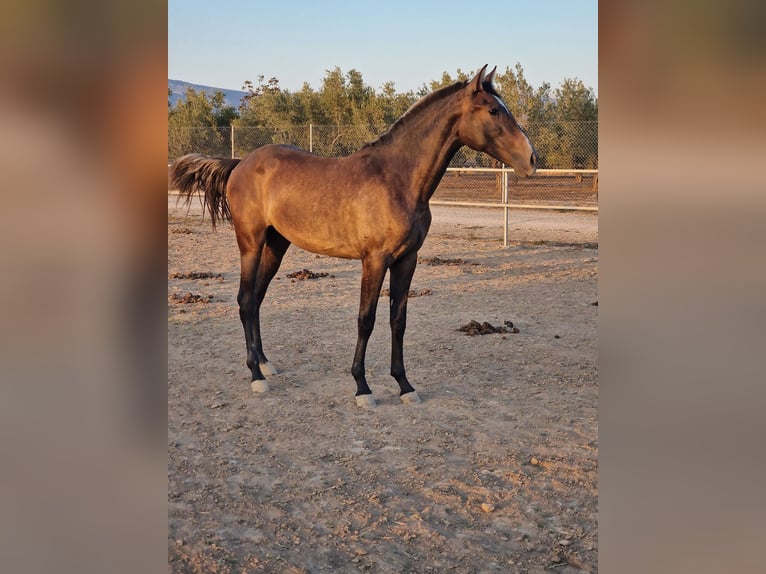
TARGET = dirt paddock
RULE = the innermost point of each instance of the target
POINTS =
(495, 471)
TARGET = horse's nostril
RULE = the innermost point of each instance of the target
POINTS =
(532, 160)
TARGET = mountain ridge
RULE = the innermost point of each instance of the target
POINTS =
(178, 92)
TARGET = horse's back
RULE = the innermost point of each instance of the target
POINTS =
(275, 156)
(259, 168)
(342, 207)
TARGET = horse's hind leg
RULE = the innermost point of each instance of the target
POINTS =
(271, 258)
(261, 253)
(251, 241)
(401, 278)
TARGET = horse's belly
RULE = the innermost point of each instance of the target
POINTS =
(322, 242)
(337, 250)
(350, 230)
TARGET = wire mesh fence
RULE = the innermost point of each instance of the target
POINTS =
(548, 188)
(567, 158)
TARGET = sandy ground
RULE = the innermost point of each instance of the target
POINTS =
(495, 471)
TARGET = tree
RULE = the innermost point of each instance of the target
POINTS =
(562, 123)
(269, 114)
(223, 114)
(525, 103)
(193, 123)
(444, 81)
(576, 125)
(393, 104)
(335, 100)
(575, 102)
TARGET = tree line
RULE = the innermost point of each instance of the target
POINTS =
(562, 122)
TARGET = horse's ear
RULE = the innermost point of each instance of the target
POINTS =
(488, 79)
(477, 81)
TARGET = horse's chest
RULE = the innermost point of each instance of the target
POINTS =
(414, 234)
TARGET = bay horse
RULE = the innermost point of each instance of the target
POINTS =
(371, 205)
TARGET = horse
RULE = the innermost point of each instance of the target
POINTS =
(372, 205)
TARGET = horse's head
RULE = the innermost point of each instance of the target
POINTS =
(488, 126)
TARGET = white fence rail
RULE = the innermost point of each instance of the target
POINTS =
(506, 203)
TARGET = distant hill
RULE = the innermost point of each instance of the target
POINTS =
(178, 89)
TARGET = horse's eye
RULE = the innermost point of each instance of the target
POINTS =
(493, 111)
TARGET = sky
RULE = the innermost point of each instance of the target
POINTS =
(410, 43)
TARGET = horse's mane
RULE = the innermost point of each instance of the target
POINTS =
(415, 110)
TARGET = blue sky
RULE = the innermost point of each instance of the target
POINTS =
(226, 42)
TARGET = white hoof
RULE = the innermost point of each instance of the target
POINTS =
(410, 398)
(366, 401)
(259, 386)
(268, 369)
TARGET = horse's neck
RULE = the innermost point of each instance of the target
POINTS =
(425, 147)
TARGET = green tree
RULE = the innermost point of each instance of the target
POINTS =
(525, 103)
(336, 102)
(575, 102)
(194, 124)
(575, 126)
(334, 98)
(223, 114)
(345, 113)
(393, 104)
(444, 81)
(265, 104)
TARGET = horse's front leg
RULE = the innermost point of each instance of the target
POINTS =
(373, 272)
(401, 278)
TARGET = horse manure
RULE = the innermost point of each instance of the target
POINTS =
(304, 274)
(474, 328)
(440, 261)
(410, 294)
(180, 299)
(195, 275)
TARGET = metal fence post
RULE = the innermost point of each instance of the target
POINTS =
(232, 141)
(311, 137)
(505, 205)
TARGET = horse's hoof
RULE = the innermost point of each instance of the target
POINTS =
(366, 401)
(268, 369)
(259, 386)
(410, 398)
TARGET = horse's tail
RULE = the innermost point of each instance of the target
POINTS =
(195, 172)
